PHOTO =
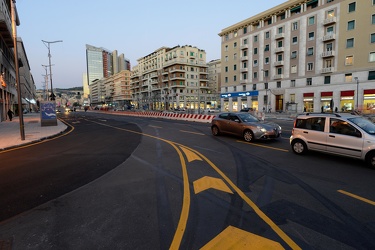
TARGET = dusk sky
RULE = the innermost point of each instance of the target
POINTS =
(134, 28)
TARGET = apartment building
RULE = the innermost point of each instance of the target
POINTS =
(302, 55)
(172, 78)
(214, 80)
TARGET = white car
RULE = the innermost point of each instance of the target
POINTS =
(340, 134)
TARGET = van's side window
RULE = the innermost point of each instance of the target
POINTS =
(316, 123)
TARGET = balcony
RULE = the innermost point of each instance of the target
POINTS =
(244, 46)
(279, 76)
(279, 49)
(328, 70)
(329, 20)
(244, 58)
(279, 36)
(329, 37)
(328, 53)
(245, 81)
(278, 63)
(242, 70)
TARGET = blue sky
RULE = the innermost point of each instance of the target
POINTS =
(135, 28)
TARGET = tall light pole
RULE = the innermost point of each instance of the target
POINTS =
(357, 81)
(48, 45)
(46, 82)
(14, 33)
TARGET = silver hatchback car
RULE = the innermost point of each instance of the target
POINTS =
(340, 134)
(244, 125)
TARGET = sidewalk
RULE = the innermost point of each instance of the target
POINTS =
(10, 135)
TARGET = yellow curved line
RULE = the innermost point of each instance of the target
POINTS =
(186, 199)
(256, 209)
(33, 143)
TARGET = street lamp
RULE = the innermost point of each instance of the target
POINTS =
(50, 68)
(357, 81)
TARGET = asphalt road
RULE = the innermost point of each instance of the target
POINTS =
(133, 183)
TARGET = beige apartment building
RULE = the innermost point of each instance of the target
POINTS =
(214, 80)
(302, 55)
(172, 78)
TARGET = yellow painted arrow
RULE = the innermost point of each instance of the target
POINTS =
(207, 182)
(235, 238)
(191, 156)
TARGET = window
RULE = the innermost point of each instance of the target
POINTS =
(350, 43)
(351, 25)
(279, 57)
(293, 55)
(244, 41)
(255, 39)
(280, 30)
(372, 38)
(280, 44)
(254, 86)
(226, 68)
(295, 40)
(330, 13)
(235, 34)
(371, 57)
(244, 76)
(266, 85)
(329, 46)
(266, 60)
(226, 58)
(316, 123)
(226, 48)
(234, 78)
(267, 48)
(278, 84)
(327, 79)
(244, 65)
(292, 83)
(309, 81)
(294, 25)
(373, 18)
(348, 77)
(351, 7)
(293, 69)
(255, 63)
(330, 30)
(226, 37)
(243, 87)
(310, 51)
(371, 75)
(279, 70)
(337, 126)
(235, 67)
(311, 20)
(311, 36)
(255, 75)
(255, 51)
(349, 60)
(328, 63)
(235, 45)
(226, 80)
(235, 56)
(245, 30)
(310, 66)
(244, 53)
(267, 35)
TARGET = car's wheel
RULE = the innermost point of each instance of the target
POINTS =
(370, 160)
(215, 130)
(299, 147)
(248, 136)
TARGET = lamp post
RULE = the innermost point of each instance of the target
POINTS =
(357, 81)
(48, 45)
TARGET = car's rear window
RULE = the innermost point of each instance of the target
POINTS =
(314, 123)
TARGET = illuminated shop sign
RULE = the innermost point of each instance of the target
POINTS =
(240, 94)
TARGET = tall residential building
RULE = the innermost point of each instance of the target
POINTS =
(102, 63)
(172, 78)
(214, 79)
(302, 56)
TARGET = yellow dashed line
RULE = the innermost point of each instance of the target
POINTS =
(357, 197)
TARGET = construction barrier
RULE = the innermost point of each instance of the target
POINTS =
(168, 115)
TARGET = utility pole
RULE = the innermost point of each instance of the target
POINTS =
(46, 82)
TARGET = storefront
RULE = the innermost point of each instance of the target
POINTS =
(369, 101)
(347, 100)
(230, 102)
(308, 102)
(325, 101)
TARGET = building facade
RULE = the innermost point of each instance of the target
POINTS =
(101, 65)
(214, 81)
(302, 55)
(172, 78)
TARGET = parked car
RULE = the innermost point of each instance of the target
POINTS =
(244, 125)
(246, 110)
(341, 134)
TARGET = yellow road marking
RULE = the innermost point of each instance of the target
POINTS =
(192, 132)
(191, 156)
(186, 197)
(207, 182)
(357, 197)
(235, 238)
(154, 126)
(264, 146)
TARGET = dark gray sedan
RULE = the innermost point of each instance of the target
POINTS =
(244, 125)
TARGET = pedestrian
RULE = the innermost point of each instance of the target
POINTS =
(10, 114)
